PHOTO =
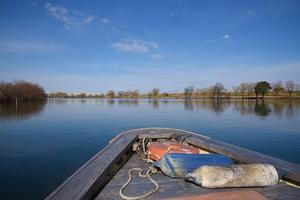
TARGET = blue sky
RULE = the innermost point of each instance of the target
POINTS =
(94, 46)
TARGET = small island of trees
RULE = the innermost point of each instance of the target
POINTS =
(21, 91)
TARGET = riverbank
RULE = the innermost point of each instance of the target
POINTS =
(192, 98)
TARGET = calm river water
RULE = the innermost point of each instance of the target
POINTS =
(41, 144)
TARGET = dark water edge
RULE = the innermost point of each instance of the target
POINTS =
(41, 144)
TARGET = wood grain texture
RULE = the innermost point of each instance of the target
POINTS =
(234, 195)
(87, 181)
(172, 187)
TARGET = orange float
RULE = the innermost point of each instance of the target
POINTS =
(157, 150)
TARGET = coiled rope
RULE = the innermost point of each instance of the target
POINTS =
(150, 171)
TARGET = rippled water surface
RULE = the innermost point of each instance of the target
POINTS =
(41, 144)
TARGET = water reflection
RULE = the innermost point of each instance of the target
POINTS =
(188, 105)
(216, 105)
(111, 102)
(11, 111)
(154, 103)
(261, 108)
(130, 102)
(264, 108)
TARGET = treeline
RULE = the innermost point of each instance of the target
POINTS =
(21, 91)
(260, 89)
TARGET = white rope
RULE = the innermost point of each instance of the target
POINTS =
(144, 146)
(150, 171)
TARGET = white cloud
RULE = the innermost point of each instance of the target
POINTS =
(226, 36)
(69, 19)
(104, 22)
(156, 56)
(17, 46)
(135, 46)
(250, 12)
(88, 19)
(211, 40)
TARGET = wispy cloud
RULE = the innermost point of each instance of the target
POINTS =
(211, 40)
(17, 46)
(135, 46)
(226, 36)
(104, 22)
(223, 37)
(70, 19)
(156, 56)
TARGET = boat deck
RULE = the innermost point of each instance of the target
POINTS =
(104, 174)
(171, 187)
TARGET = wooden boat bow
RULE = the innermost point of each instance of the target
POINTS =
(92, 177)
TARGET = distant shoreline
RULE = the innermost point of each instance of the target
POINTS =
(200, 98)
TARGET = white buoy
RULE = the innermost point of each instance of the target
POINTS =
(244, 175)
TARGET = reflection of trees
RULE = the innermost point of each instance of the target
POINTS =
(59, 100)
(262, 108)
(188, 105)
(154, 103)
(244, 106)
(278, 107)
(133, 102)
(267, 107)
(111, 102)
(215, 105)
(24, 110)
(292, 108)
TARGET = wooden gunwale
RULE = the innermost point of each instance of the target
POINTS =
(92, 177)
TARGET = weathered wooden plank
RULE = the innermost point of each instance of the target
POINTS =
(280, 191)
(171, 187)
(179, 188)
(229, 195)
(157, 133)
(135, 162)
(86, 182)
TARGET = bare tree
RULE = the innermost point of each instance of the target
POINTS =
(198, 93)
(21, 91)
(243, 88)
(121, 94)
(236, 90)
(250, 88)
(188, 91)
(205, 91)
(110, 94)
(290, 87)
(82, 95)
(155, 92)
(135, 93)
(218, 88)
(277, 87)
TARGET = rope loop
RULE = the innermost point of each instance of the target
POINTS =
(150, 171)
